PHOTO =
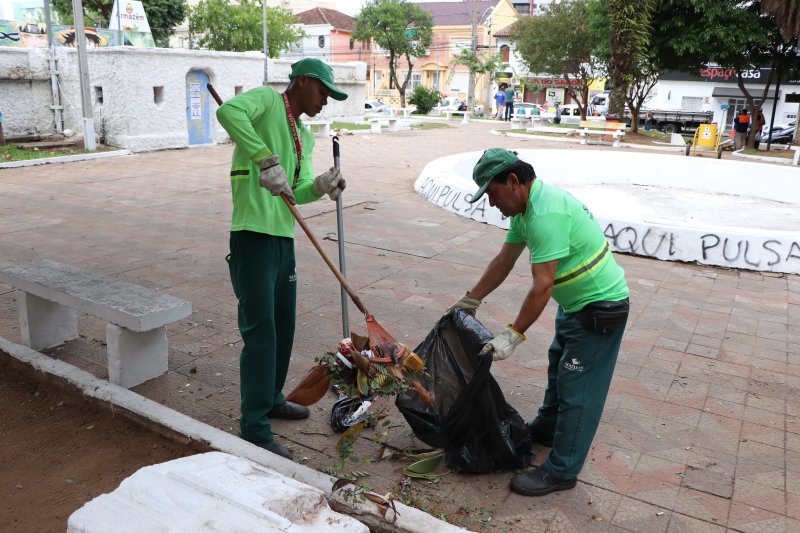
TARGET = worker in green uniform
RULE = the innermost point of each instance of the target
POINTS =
(570, 261)
(272, 157)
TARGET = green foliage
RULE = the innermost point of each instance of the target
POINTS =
(425, 99)
(238, 28)
(400, 28)
(162, 15)
(561, 42)
(629, 36)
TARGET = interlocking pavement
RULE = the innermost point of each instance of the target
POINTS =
(700, 431)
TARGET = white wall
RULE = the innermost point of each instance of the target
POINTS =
(129, 116)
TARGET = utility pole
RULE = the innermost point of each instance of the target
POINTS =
(51, 57)
(474, 48)
(266, 48)
(83, 70)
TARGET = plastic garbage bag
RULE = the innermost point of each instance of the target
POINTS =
(469, 418)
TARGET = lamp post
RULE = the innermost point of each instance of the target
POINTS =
(264, 30)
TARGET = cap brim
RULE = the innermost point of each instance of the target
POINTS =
(336, 93)
(481, 191)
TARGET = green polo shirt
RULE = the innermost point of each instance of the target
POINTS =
(556, 225)
(258, 124)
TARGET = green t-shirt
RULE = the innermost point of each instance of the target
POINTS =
(258, 124)
(509, 96)
(556, 225)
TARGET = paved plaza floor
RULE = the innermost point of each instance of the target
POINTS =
(700, 431)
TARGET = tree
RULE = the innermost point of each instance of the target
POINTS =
(400, 28)
(629, 26)
(696, 34)
(787, 19)
(238, 28)
(562, 43)
(162, 15)
(478, 65)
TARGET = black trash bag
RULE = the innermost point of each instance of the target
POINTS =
(469, 418)
(343, 412)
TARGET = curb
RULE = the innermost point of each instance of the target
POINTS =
(565, 139)
(64, 159)
(407, 519)
(778, 160)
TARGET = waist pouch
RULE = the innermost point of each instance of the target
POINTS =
(603, 317)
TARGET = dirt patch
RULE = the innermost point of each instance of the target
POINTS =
(60, 450)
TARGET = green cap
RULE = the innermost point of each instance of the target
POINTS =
(317, 69)
(492, 162)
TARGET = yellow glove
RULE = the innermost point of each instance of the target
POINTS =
(503, 345)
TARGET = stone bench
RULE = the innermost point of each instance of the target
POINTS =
(613, 129)
(520, 121)
(50, 294)
(323, 126)
(377, 119)
(451, 113)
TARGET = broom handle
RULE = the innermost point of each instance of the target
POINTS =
(296, 214)
(345, 285)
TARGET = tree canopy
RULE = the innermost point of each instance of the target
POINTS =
(162, 15)
(561, 42)
(239, 28)
(400, 28)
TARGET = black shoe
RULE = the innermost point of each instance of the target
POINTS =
(276, 448)
(538, 438)
(538, 482)
(289, 411)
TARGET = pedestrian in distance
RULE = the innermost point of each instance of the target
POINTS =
(557, 118)
(272, 157)
(648, 121)
(572, 263)
(509, 105)
(500, 101)
(741, 124)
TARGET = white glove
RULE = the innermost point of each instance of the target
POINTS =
(467, 303)
(330, 183)
(504, 344)
(273, 178)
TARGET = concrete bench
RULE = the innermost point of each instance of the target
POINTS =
(613, 129)
(450, 114)
(50, 294)
(520, 121)
(323, 126)
(405, 111)
(377, 120)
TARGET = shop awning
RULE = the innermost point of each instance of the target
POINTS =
(735, 92)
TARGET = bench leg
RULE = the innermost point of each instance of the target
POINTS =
(584, 137)
(375, 127)
(324, 130)
(43, 323)
(616, 141)
(394, 125)
(133, 357)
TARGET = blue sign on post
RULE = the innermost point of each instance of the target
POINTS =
(725, 106)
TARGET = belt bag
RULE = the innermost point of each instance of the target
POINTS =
(603, 317)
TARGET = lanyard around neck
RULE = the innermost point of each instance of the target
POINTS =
(298, 147)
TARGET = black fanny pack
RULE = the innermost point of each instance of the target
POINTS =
(603, 317)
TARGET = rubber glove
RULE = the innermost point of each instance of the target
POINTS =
(273, 178)
(467, 303)
(504, 344)
(330, 183)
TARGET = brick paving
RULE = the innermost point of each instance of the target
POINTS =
(701, 431)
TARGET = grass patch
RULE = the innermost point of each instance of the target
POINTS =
(777, 154)
(348, 126)
(430, 125)
(11, 152)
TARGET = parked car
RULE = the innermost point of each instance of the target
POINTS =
(448, 104)
(780, 134)
(375, 106)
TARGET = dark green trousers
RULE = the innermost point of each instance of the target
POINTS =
(580, 366)
(262, 269)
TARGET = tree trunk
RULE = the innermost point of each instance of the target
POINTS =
(796, 139)
(634, 120)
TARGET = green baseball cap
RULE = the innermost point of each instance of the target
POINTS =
(317, 69)
(492, 162)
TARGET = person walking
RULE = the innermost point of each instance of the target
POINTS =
(272, 157)
(557, 118)
(509, 104)
(648, 121)
(572, 263)
(500, 101)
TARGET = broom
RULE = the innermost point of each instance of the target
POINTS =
(384, 346)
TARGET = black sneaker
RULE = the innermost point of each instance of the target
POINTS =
(276, 448)
(538, 482)
(289, 411)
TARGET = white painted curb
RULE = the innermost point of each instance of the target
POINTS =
(64, 159)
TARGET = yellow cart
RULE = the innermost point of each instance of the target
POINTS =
(706, 139)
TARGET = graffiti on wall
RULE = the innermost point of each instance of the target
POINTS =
(34, 35)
